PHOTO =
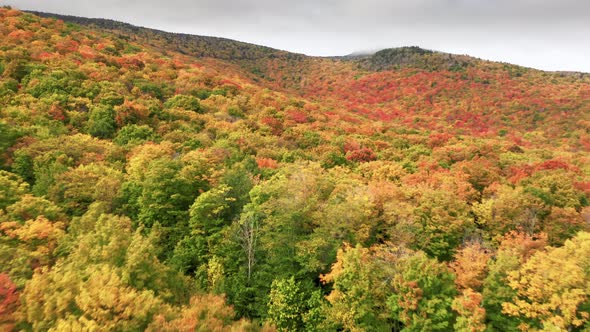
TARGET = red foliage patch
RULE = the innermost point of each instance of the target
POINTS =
(298, 116)
(130, 112)
(361, 155)
(275, 124)
(20, 35)
(583, 186)
(57, 113)
(8, 302)
(555, 164)
(517, 173)
(45, 56)
(351, 145)
(131, 62)
(67, 46)
(266, 163)
(438, 139)
(87, 52)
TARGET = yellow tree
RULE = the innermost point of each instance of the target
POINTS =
(470, 267)
(515, 249)
(204, 313)
(105, 299)
(472, 315)
(508, 210)
(553, 287)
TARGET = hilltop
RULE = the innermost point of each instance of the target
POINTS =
(168, 182)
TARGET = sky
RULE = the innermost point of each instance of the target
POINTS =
(543, 34)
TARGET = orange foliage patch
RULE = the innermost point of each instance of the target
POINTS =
(266, 163)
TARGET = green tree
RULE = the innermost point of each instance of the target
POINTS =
(442, 221)
(209, 215)
(143, 271)
(165, 195)
(77, 188)
(286, 305)
(8, 135)
(101, 122)
(423, 292)
(134, 134)
(185, 102)
(46, 170)
(12, 187)
(360, 288)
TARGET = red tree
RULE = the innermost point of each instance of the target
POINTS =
(8, 302)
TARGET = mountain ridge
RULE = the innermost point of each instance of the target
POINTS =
(203, 41)
(255, 51)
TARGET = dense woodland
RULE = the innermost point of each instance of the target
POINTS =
(221, 186)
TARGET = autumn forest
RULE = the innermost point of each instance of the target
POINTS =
(152, 181)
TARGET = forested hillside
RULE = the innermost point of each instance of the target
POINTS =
(223, 186)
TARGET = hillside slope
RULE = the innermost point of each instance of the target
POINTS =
(452, 93)
(162, 182)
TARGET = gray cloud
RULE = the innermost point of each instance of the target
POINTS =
(545, 34)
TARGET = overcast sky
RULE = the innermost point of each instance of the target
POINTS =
(544, 34)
